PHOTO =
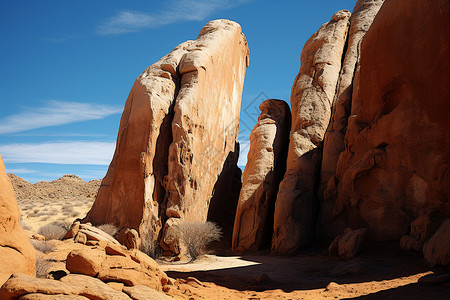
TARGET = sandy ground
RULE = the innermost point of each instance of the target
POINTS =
(382, 271)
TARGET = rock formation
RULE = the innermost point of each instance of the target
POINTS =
(395, 163)
(362, 17)
(179, 124)
(437, 248)
(17, 255)
(311, 101)
(265, 168)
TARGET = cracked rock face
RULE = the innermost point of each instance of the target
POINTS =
(395, 163)
(179, 124)
(266, 164)
(311, 100)
(360, 21)
(17, 255)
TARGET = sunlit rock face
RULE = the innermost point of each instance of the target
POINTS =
(179, 125)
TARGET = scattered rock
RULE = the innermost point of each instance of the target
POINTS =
(142, 292)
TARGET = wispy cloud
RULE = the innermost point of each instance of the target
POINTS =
(243, 151)
(77, 153)
(21, 171)
(175, 11)
(55, 113)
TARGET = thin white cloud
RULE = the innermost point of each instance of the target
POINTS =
(78, 153)
(243, 151)
(20, 171)
(55, 113)
(175, 11)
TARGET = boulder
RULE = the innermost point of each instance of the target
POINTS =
(17, 255)
(311, 100)
(348, 244)
(437, 249)
(266, 164)
(179, 125)
(72, 286)
(142, 292)
(116, 264)
(362, 17)
(395, 166)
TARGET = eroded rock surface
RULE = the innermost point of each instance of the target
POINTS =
(311, 100)
(266, 164)
(362, 17)
(395, 166)
(17, 255)
(179, 125)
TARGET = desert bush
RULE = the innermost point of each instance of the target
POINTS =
(195, 236)
(43, 246)
(148, 245)
(42, 267)
(52, 231)
(110, 229)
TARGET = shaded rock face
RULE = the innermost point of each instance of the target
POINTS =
(179, 124)
(17, 255)
(437, 249)
(311, 101)
(362, 17)
(266, 164)
(395, 166)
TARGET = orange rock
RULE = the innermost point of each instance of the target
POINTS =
(206, 77)
(311, 100)
(362, 17)
(395, 166)
(266, 164)
(87, 261)
(17, 255)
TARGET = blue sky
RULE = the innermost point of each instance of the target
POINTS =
(67, 68)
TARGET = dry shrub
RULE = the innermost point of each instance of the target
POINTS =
(148, 245)
(110, 229)
(195, 236)
(52, 231)
(43, 246)
(42, 267)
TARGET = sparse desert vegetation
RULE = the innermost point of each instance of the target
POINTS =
(195, 236)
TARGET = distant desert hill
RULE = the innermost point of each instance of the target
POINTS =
(59, 201)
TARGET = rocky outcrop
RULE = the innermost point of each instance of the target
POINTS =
(179, 125)
(395, 166)
(348, 244)
(362, 17)
(17, 255)
(437, 248)
(266, 163)
(206, 120)
(311, 101)
(113, 263)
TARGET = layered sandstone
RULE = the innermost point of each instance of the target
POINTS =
(206, 120)
(311, 101)
(395, 166)
(266, 163)
(17, 255)
(179, 125)
(362, 17)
